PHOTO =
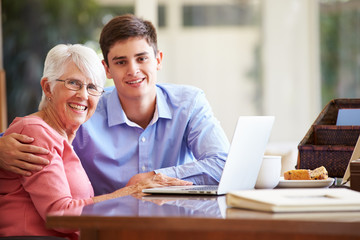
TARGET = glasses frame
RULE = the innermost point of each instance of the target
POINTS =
(82, 85)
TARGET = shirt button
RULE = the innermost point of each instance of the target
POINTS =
(143, 168)
(143, 139)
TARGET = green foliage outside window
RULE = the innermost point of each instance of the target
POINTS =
(340, 49)
(31, 28)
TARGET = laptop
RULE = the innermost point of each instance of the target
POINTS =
(243, 163)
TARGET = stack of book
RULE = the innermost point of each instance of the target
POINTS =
(295, 200)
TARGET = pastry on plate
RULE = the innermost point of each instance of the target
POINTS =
(319, 173)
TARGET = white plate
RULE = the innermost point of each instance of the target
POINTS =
(305, 183)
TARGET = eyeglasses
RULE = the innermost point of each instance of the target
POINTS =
(76, 85)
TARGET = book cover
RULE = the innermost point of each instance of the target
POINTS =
(295, 200)
(333, 216)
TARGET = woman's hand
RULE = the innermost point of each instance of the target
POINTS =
(160, 180)
(151, 179)
(155, 180)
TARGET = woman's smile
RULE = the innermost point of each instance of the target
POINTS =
(78, 107)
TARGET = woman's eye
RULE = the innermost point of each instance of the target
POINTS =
(74, 82)
(92, 87)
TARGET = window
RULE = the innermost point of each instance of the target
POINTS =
(340, 49)
(234, 14)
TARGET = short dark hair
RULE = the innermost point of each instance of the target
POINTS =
(123, 27)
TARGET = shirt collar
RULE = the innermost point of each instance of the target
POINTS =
(162, 109)
(115, 117)
(162, 105)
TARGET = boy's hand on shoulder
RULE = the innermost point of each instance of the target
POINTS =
(17, 154)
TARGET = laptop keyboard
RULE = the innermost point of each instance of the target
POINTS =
(204, 188)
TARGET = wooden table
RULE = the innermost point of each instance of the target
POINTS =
(181, 217)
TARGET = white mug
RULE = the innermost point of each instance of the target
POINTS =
(269, 174)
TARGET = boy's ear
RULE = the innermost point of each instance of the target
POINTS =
(159, 58)
(107, 70)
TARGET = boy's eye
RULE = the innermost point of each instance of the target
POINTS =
(141, 59)
(120, 62)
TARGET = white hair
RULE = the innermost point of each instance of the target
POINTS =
(83, 57)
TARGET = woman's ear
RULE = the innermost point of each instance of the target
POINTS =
(45, 85)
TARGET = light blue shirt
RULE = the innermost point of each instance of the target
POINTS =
(184, 140)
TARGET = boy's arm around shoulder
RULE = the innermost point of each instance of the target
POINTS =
(17, 155)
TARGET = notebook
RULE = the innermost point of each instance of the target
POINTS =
(243, 162)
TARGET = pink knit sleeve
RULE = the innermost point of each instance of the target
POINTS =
(51, 188)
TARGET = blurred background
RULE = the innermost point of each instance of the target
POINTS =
(286, 58)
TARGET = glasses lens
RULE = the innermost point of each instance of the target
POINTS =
(76, 85)
(94, 90)
(73, 84)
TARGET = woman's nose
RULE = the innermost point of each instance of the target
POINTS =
(83, 93)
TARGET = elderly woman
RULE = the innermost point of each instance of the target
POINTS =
(72, 84)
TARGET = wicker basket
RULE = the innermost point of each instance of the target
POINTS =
(326, 144)
(336, 135)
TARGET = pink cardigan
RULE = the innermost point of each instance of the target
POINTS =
(63, 184)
